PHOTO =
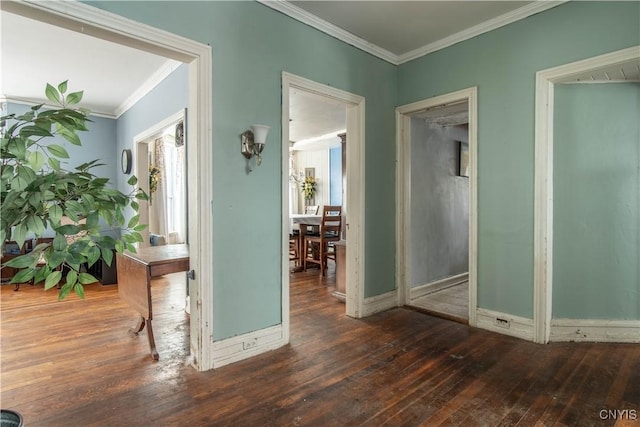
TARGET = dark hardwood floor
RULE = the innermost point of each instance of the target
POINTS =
(72, 363)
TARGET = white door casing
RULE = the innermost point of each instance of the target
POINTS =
(543, 178)
(95, 22)
(403, 192)
(355, 105)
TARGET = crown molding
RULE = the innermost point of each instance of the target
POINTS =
(305, 17)
(485, 27)
(31, 102)
(163, 72)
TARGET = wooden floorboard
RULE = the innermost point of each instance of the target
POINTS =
(72, 363)
(450, 303)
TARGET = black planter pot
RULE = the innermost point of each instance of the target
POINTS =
(9, 418)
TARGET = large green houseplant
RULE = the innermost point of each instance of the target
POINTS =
(39, 196)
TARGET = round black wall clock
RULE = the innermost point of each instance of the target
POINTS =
(126, 161)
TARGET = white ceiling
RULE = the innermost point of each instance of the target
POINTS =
(313, 116)
(403, 26)
(112, 76)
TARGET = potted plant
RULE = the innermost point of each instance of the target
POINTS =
(37, 193)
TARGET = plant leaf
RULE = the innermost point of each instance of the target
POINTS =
(70, 136)
(93, 255)
(52, 94)
(52, 280)
(133, 221)
(58, 151)
(64, 291)
(36, 160)
(72, 278)
(54, 163)
(22, 261)
(20, 234)
(55, 214)
(34, 224)
(62, 87)
(56, 258)
(107, 255)
(86, 278)
(23, 276)
(59, 242)
(68, 230)
(74, 98)
(79, 290)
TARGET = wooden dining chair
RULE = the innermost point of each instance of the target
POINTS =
(330, 228)
(294, 244)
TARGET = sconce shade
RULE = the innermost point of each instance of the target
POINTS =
(253, 142)
(260, 133)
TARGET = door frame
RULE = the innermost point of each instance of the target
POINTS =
(403, 192)
(89, 20)
(354, 226)
(543, 179)
(141, 150)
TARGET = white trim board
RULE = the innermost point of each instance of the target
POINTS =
(543, 179)
(379, 303)
(243, 346)
(403, 192)
(625, 331)
(307, 18)
(438, 285)
(158, 127)
(34, 102)
(506, 324)
(98, 23)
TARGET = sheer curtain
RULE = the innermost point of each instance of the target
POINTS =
(160, 196)
(179, 220)
(174, 191)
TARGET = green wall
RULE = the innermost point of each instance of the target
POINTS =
(502, 64)
(252, 44)
(596, 268)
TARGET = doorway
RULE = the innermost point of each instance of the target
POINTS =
(160, 154)
(600, 69)
(94, 22)
(353, 191)
(317, 173)
(161, 164)
(437, 202)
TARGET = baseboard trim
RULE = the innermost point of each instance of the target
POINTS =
(379, 303)
(595, 330)
(428, 288)
(242, 347)
(506, 324)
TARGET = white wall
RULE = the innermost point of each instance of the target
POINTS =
(319, 160)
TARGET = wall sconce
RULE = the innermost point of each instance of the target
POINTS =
(253, 142)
